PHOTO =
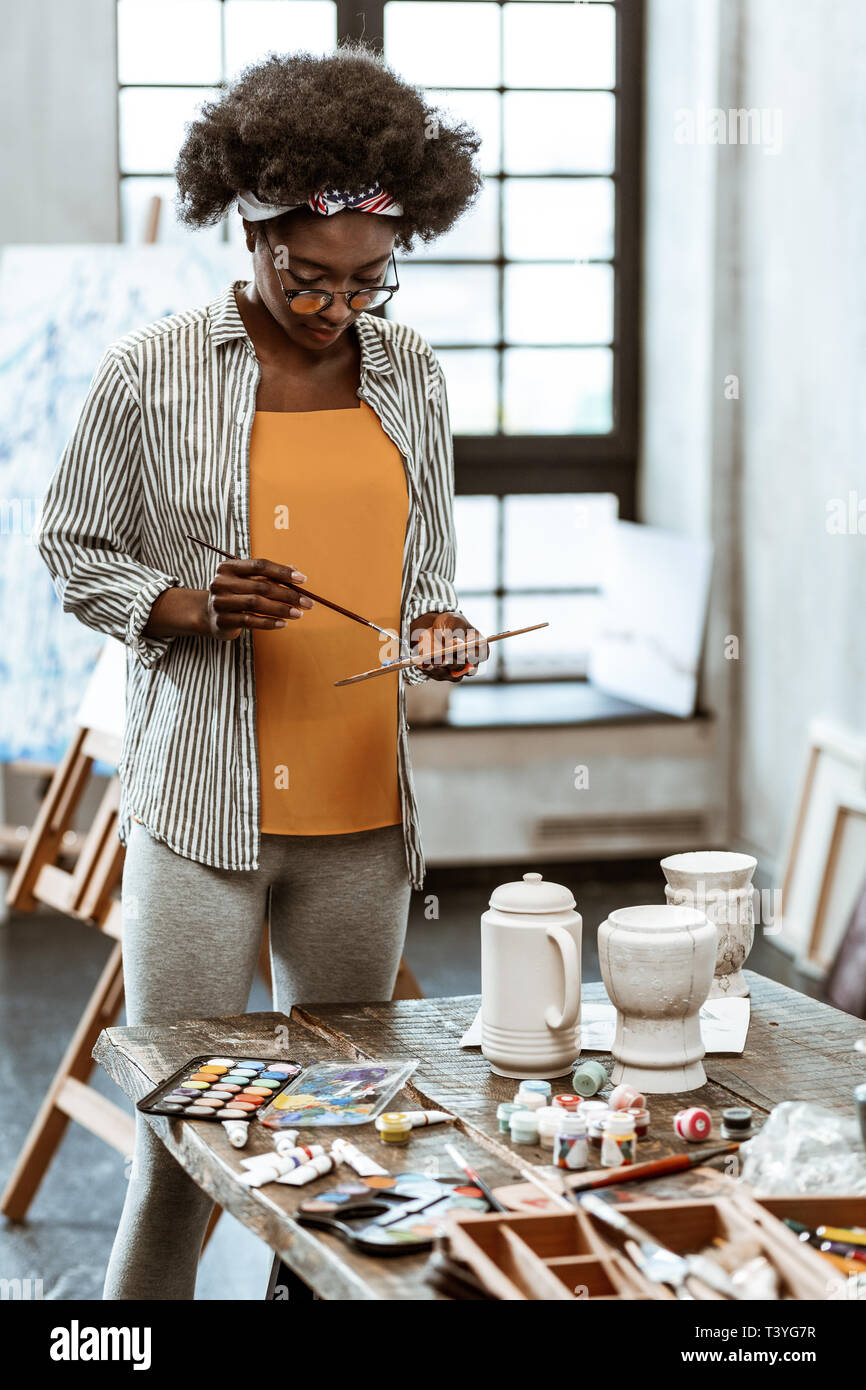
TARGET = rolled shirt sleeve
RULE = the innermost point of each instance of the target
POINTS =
(88, 531)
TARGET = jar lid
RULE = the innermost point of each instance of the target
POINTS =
(532, 894)
(619, 1122)
(393, 1120)
(571, 1124)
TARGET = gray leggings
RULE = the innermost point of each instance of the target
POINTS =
(337, 907)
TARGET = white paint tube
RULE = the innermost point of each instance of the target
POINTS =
(342, 1151)
(323, 1163)
(237, 1132)
(286, 1140)
(271, 1167)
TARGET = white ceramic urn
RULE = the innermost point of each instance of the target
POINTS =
(530, 979)
(718, 883)
(657, 966)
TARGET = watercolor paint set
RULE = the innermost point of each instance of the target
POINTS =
(221, 1088)
(339, 1093)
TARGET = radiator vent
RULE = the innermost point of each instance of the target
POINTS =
(671, 827)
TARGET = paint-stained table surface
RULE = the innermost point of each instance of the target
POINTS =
(797, 1049)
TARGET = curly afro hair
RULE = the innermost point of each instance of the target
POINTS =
(296, 123)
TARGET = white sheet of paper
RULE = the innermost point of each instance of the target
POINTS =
(648, 647)
(724, 1027)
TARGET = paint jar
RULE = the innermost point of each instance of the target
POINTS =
(542, 1087)
(524, 1127)
(548, 1122)
(504, 1111)
(530, 1100)
(619, 1141)
(394, 1127)
(693, 1124)
(588, 1078)
(570, 1146)
(641, 1121)
(625, 1097)
(736, 1122)
(593, 1113)
(569, 1102)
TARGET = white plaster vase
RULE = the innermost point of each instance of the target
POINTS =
(719, 883)
(657, 966)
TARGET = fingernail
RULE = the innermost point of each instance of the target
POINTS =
(306, 603)
(295, 612)
(281, 622)
(301, 578)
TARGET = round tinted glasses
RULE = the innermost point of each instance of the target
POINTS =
(314, 301)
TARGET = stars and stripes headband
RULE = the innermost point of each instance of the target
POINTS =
(327, 202)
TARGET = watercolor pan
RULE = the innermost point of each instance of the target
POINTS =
(203, 1090)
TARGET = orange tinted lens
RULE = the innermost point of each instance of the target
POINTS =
(309, 303)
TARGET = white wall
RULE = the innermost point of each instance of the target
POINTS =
(803, 409)
(755, 264)
(58, 111)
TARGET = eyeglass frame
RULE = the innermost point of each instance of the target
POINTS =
(332, 294)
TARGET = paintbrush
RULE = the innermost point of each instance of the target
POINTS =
(308, 593)
(459, 649)
(473, 1177)
(656, 1168)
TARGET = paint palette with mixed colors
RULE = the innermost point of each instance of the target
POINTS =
(340, 1093)
(220, 1088)
(395, 1214)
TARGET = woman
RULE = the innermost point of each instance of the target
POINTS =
(281, 422)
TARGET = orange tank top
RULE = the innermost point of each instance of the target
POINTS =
(328, 495)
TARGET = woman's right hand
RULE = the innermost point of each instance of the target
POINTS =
(255, 593)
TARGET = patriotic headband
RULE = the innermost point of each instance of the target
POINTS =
(329, 201)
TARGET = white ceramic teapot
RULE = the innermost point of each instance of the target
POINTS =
(530, 979)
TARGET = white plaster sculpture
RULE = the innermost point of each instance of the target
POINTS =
(530, 979)
(718, 883)
(657, 966)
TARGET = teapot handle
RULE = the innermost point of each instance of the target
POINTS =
(571, 966)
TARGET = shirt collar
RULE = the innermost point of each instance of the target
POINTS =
(226, 323)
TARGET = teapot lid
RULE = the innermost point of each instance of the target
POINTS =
(531, 894)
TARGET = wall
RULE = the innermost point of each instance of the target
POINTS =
(803, 408)
(58, 109)
(755, 266)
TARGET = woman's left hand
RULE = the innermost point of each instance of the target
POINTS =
(433, 632)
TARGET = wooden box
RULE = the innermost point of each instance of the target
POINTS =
(520, 1256)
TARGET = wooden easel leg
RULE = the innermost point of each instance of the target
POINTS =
(69, 1097)
(406, 986)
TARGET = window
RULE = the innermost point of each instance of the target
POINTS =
(531, 302)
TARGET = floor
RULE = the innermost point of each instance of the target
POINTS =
(49, 965)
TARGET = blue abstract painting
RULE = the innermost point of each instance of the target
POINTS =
(60, 307)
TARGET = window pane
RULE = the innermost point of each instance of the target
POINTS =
(558, 650)
(480, 110)
(559, 132)
(475, 236)
(558, 541)
(168, 41)
(152, 126)
(475, 521)
(558, 391)
(453, 304)
(135, 197)
(471, 377)
(577, 221)
(443, 42)
(482, 610)
(559, 303)
(255, 28)
(559, 45)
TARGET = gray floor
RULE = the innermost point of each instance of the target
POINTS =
(48, 967)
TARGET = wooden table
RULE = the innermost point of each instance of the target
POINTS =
(797, 1049)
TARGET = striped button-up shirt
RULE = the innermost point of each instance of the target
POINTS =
(161, 450)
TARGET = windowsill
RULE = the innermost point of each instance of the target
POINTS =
(540, 704)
